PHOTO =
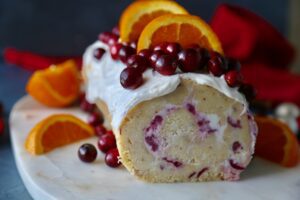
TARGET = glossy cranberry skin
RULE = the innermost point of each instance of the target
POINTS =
(87, 153)
(112, 158)
(166, 65)
(116, 30)
(138, 62)
(110, 132)
(189, 59)
(233, 64)
(161, 47)
(98, 53)
(204, 54)
(95, 119)
(114, 50)
(132, 44)
(155, 55)
(100, 130)
(146, 53)
(108, 38)
(216, 64)
(172, 49)
(248, 90)
(125, 52)
(131, 78)
(233, 78)
(86, 106)
(106, 142)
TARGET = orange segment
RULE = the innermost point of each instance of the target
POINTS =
(56, 131)
(276, 142)
(138, 14)
(57, 86)
(184, 29)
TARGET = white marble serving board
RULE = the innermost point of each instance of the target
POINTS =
(61, 175)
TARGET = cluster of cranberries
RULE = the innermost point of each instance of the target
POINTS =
(106, 142)
(1, 119)
(169, 58)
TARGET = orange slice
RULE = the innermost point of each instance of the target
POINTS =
(138, 14)
(56, 86)
(56, 131)
(276, 142)
(184, 29)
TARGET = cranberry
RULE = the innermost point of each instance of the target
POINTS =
(114, 50)
(216, 64)
(248, 90)
(161, 47)
(125, 52)
(233, 78)
(1, 126)
(86, 106)
(110, 132)
(166, 65)
(236, 147)
(95, 119)
(100, 130)
(116, 30)
(108, 38)
(98, 53)
(87, 153)
(138, 62)
(106, 142)
(173, 49)
(189, 59)
(233, 64)
(132, 44)
(155, 55)
(146, 53)
(131, 78)
(112, 158)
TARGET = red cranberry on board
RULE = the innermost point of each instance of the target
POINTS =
(173, 49)
(112, 158)
(248, 90)
(233, 78)
(108, 38)
(95, 119)
(189, 59)
(138, 62)
(100, 130)
(125, 52)
(87, 153)
(131, 78)
(106, 142)
(98, 53)
(114, 50)
(110, 132)
(154, 56)
(216, 64)
(166, 65)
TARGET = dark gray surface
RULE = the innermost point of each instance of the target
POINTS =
(66, 28)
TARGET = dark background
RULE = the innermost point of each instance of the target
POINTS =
(66, 27)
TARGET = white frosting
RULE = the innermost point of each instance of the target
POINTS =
(103, 82)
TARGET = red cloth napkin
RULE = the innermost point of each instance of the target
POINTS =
(265, 54)
(31, 61)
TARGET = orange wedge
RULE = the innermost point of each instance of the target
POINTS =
(184, 29)
(138, 14)
(56, 131)
(56, 86)
(276, 142)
